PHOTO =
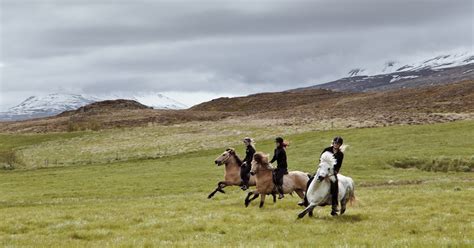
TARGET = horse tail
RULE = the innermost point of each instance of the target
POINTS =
(352, 197)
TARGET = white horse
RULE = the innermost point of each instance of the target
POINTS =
(318, 193)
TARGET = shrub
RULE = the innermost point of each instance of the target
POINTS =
(9, 159)
(443, 164)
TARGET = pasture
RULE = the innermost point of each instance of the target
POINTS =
(161, 199)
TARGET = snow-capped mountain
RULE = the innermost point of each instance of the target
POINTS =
(435, 63)
(53, 104)
(43, 106)
(394, 75)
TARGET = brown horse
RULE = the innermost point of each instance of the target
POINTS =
(232, 171)
(294, 181)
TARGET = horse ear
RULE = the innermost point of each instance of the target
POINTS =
(231, 150)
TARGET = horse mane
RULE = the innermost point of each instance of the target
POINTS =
(328, 157)
(262, 159)
(233, 153)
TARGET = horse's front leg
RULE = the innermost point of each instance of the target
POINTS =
(274, 197)
(309, 209)
(248, 199)
(220, 186)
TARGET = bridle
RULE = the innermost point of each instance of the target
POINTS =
(229, 154)
(330, 174)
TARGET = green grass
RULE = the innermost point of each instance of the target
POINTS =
(162, 201)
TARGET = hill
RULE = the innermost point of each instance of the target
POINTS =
(438, 103)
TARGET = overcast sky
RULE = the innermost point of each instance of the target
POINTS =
(197, 50)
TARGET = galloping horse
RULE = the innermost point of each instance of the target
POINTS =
(318, 193)
(294, 181)
(232, 171)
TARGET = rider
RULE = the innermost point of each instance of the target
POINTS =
(335, 149)
(282, 165)
(339, 156)
(247, 164)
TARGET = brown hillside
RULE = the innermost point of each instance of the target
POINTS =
(270, 101)
(407, 106)
(106, 106)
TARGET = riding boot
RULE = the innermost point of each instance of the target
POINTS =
(280, 192)
(334, 196)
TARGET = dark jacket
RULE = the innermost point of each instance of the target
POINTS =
(339, 156)
(249, 155)
(280, 157)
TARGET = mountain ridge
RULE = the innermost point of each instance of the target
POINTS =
(56, 103)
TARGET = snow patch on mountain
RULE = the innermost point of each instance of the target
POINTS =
(153, 99)
(53, 104)
(435, 63)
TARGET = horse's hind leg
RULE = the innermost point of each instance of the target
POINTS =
(343, 205)
(274, 197)
(262, 200)
(300, 193)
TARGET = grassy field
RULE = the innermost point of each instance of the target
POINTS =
(151, 201)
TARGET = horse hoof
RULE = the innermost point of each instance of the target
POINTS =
(301, 215)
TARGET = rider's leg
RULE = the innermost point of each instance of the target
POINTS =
(279, 180)
(334, 196)
(245, 177)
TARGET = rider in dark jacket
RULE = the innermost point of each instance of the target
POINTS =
(282, 165)
(247, 164)
(339, 156)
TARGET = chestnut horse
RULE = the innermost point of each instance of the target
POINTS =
(232, 171)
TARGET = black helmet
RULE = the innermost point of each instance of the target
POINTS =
(338, 140)
(279, 140)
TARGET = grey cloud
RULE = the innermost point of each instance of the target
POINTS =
(216, 46)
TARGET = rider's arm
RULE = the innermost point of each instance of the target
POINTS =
(274, 156)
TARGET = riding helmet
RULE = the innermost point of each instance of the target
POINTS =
(279, 140)
(338, 140)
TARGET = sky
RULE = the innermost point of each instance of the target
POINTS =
(194, 51)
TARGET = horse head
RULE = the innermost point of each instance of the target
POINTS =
(260, 160)
(326, 166)
(225, 156)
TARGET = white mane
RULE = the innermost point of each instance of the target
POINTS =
(328, 158)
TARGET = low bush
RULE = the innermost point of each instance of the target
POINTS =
(443, 164)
